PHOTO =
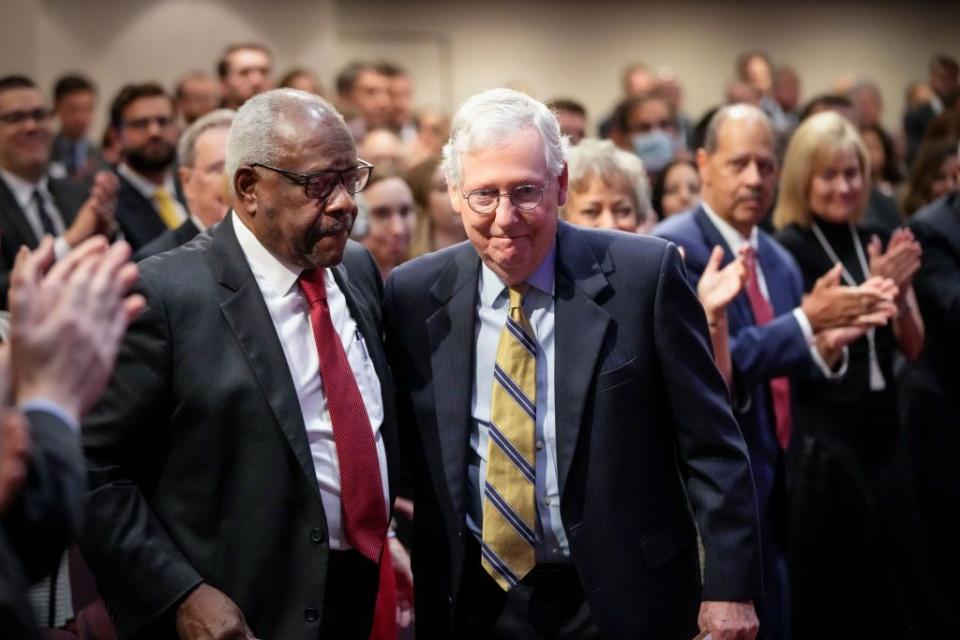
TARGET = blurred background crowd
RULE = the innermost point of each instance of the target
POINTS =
(147, 162)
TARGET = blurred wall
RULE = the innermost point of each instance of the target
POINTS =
(551, 48)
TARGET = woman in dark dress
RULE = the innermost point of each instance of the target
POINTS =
(853, 541)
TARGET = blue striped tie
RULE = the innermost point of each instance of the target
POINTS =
(509, 502)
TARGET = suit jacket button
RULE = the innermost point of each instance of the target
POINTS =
(311, 614)
(316, 535)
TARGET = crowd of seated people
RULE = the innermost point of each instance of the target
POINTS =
(823, 246)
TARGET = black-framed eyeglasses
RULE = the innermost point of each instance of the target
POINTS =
(321, 184)
(39, 115)
(524, 197)
(142, 124)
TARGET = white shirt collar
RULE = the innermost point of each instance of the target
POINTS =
(144, 186)
(731, 236)
(491, 286)
(23, 190)
(265, 266)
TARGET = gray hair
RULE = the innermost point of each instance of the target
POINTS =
(741, 111)
(491, 119)
(256, 131)
(602, 159)
(187, 147)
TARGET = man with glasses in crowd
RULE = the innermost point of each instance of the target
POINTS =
(150, 200)
(33, 204)
(240, 457)
(557, 390)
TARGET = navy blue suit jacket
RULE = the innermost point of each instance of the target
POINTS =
(758, 353)
(643, 425)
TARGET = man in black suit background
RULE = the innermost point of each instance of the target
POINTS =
(32, 204)
(239, 459)
(200, 159)
(150, 200)
(944, 80)
(560, 402)
(74, 155)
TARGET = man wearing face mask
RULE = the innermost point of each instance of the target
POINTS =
(649, 129)
(150, 199)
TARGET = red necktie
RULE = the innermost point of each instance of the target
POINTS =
(361, 492)
(779, 387)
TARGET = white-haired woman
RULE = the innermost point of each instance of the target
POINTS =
(608, 188)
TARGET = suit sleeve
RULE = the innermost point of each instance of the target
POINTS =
(46, 516)
(711, 450)
(937, 285)
(140, 570)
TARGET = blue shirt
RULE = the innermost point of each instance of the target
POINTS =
(492, 309)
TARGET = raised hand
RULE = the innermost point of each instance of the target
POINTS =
(718, 287)
(900, 262)
(831, 305)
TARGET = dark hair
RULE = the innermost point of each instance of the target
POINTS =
(627, 106)
(660, 185)
(565, 104)
(390, 69)
(131, 93)
(71, 84)
(945, 62)
(890, 171)
(925, 167)
(824, 101)
(16, 82)
(293, 74)
(347, 77)
(223, 65)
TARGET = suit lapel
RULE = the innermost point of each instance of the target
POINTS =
(778, 289)
(451, 335)
(740, 306)
(580, 327)
(374, 341)
(247, 317)
(15, 219)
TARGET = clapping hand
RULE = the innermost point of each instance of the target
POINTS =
(899, 262)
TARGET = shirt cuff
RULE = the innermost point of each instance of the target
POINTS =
(805, 325)
(49, 406)
(829, 373)
(61, 247)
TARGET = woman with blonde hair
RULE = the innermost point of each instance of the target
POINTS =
(852, 536)
(438, 225)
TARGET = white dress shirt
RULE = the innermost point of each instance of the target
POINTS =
(492, 311)
(735, 240)
(23, 193)
(291, 319)
(147, 189)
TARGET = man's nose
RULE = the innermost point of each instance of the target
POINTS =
(506, 212)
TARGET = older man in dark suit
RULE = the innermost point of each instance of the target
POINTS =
(239, 461)
(561, 406)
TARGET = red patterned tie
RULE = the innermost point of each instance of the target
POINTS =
(779, 387)
(361, 492)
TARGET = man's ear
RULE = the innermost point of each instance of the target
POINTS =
(453, 192)
(244, 186)
(562, 181)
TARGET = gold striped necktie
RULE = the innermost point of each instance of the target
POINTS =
(509, 501)
(166, 208)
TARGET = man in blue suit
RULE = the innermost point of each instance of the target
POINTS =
(562, 413)
(773, 334)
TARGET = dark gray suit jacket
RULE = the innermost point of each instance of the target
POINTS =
(16, 232)
(200, 469)
(643, 422)
(169, 239)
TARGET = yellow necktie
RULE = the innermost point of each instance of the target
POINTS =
(166, 208)
(509, 502)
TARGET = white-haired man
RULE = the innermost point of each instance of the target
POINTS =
(201, 155)
(239, 459)
(558, 394)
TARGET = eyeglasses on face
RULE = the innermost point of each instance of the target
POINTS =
(38, 115)
(524, 197)
(321, 184)
(142, 124)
